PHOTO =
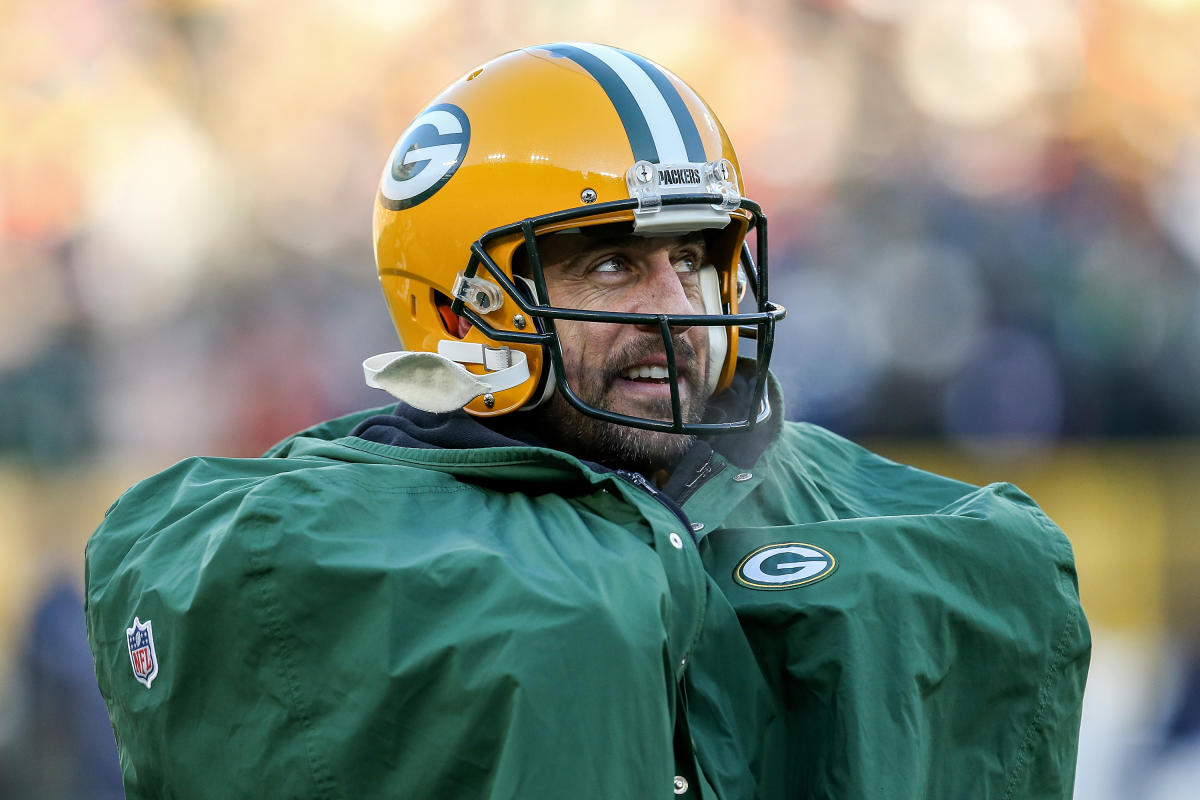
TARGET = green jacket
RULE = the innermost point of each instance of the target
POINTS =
(923, 637)
(346, 619)
(350, 618)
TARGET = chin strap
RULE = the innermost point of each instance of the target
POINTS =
(438, 382)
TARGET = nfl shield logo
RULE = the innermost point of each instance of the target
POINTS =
(141, 651)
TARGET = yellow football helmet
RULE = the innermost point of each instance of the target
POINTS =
(540, 140)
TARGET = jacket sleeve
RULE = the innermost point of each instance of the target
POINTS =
(360, 634)
(944, 656)
(220, 717)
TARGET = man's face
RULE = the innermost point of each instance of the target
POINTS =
(620, 367)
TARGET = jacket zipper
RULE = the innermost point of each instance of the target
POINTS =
(639, 480)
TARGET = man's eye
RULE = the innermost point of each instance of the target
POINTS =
(610, 265)
(687, 264)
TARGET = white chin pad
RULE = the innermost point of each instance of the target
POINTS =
(427, 381)
(718, 340)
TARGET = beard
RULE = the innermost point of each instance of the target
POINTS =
(622, 446)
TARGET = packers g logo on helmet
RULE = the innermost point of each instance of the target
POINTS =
(426, 156)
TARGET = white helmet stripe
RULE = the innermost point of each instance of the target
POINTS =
(657, 121)
(663, 128)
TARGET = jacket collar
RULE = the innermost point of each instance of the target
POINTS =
(402, 426)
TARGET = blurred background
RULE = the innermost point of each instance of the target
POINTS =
(985, 221)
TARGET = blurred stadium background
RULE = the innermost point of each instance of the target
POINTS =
(985, 224)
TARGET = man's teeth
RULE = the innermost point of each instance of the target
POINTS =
(654, 373)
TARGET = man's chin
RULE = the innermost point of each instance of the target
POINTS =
(612, 444)
(637, 449)
(657, 407)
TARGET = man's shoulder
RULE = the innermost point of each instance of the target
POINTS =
(206, 497)
(820, 442)
(823, 446)
(834, 463)
(327, 430)
(875, 485)
(326, 446)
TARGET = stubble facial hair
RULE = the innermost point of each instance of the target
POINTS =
(621, 446)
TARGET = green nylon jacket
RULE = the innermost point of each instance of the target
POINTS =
(925, 638)
(350, 619)
(345, 618)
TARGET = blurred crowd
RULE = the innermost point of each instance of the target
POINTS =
(984, 214)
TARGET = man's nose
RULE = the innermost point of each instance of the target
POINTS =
(662, 292)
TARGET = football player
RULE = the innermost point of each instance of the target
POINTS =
(583, 554)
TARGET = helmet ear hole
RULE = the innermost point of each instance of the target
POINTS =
(455, 325)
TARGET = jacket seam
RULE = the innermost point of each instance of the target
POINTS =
(705, 588)
(274, 626)
(1052, 675)
(536, 456)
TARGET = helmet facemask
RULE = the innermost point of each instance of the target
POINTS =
(722, 282)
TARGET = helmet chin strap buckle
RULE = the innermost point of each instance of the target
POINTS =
(438, 382)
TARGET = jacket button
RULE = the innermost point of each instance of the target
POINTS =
(743, 476)
(676, 542)
(680, 784)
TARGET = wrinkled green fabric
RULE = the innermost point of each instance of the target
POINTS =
(945, 655)
(350, 619)
(346, 618)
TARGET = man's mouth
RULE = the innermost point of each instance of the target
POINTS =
(646, 374)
